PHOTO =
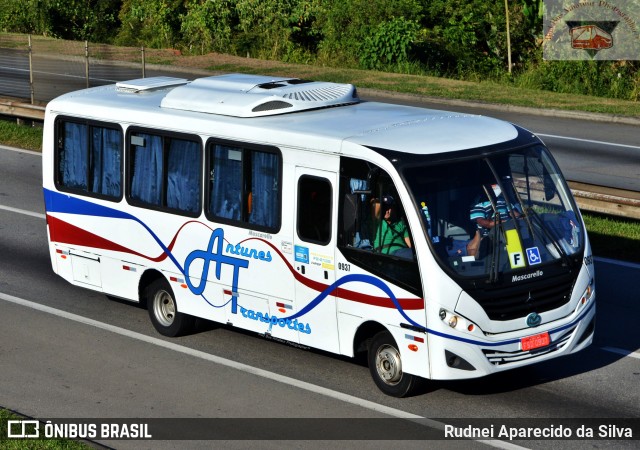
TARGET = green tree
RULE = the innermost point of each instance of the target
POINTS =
(206, 25)
(344, 26)
(92, 20)
(27, 16)
(153, 23)
(389, 43)
(305, 35)
(470, 33)
(263, 27)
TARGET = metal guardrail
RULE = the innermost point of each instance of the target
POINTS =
(40, 68)
(600, 199)
(20, 110)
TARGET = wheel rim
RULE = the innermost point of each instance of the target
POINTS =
(164, 308)
(388, 364)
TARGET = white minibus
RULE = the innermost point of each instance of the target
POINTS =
(441, 245)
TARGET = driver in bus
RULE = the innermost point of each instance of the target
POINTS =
(484, 213)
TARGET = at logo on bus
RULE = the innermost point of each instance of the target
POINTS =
(214, 253)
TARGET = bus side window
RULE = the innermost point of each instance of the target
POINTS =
(89, 159)
(225, 199)
(358, 227)
(364, 191)
(314, 209)
(244, 185)
(372, 215)
(165, 172)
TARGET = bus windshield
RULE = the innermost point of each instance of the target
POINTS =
(499, 214)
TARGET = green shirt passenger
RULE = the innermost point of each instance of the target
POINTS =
(392, 233)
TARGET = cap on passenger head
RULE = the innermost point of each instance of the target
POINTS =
(387, 201)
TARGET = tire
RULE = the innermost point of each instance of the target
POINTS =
(385, 365)
(163, 311)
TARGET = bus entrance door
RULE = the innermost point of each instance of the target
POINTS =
(314, 258)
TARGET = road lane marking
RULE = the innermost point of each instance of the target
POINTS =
(23, 211)
(590, 141)
(59, 75)
(631, 265)
(212, 358)
(393, 412)
(621, 351)
(20, 150)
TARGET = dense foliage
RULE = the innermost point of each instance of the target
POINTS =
(453, 38)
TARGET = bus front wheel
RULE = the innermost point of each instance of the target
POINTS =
(385, 365)
(163, 311)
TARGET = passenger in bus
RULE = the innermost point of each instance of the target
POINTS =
(392, 233)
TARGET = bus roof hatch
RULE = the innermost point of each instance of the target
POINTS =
(242, 95)
(149, 84)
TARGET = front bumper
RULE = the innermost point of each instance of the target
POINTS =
(458, 356)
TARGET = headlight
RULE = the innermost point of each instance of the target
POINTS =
(456, 321)
(588, 292)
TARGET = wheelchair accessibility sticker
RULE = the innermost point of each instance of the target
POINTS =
(533, 255)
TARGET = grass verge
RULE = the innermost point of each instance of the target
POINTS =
(613, 237)
(20, 136)
(29, 444)
(483, 92)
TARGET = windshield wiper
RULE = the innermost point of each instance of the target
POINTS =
(495, 256)
(497, 227)
(525, 213)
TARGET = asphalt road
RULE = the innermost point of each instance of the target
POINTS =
(69, 352)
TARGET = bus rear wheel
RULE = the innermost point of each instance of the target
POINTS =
(385, 365)
(163, 310)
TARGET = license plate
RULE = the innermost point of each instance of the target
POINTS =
(536, 341)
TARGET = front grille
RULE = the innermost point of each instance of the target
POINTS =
(520, 299)
(498, 358)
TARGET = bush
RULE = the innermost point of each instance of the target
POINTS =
(345, 25)
(613, 79)
(388, 44)
(205, 26)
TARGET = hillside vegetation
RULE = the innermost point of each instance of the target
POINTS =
(460, 39)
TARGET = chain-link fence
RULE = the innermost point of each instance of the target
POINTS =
(36, 69)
